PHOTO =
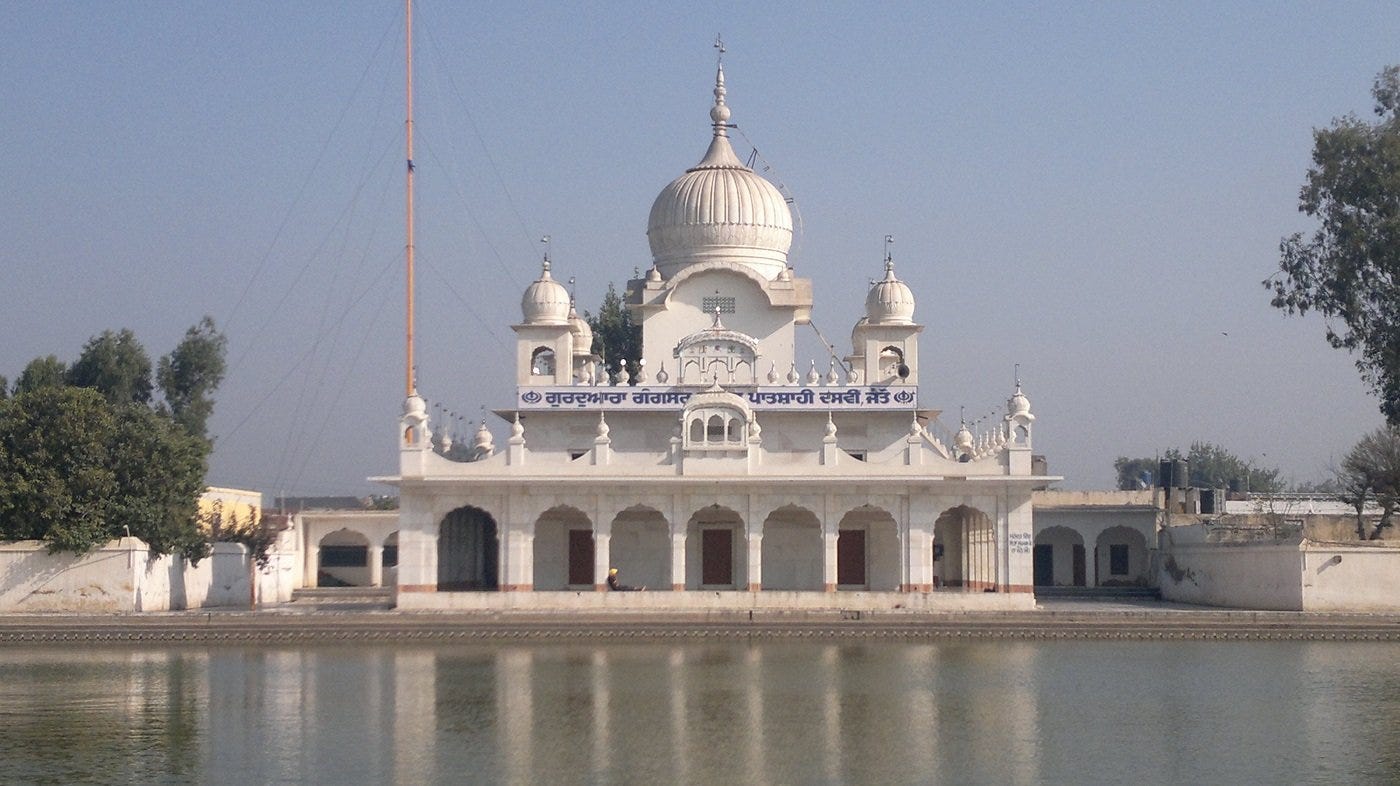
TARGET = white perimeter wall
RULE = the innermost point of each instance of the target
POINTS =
(124, 576)
(1279, 576)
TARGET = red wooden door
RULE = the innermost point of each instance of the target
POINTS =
(850, 557)
(717, 557)
(580, 556)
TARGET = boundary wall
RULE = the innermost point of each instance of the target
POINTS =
(1296, 575)
(124, 576)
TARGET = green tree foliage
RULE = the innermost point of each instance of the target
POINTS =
(189, 375)
(45, 372)
(91, 460)
(1135, 473)
(1211, 467)
(159, 468)
(1370, 474)
(56, 478)
(1349, 270)
(615, 338)
(115, 365)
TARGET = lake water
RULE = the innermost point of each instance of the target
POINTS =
(724, 713)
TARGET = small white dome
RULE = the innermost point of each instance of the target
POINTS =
(720, 210)
(890, 301)
(546, 301)
(1018, 404)
(583, 334)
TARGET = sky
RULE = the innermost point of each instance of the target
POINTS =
(1093, 191)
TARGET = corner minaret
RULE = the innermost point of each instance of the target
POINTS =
(885, 342)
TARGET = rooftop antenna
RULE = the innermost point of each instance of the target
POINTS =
(409, 381)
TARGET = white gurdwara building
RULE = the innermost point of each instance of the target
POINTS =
(725, 474)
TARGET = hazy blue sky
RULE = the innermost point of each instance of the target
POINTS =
(1093, 191)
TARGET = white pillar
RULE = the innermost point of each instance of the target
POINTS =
(376, 565)
(678, 561)
(519, 568)
(829, 558)
(755, 562)
(602, 559)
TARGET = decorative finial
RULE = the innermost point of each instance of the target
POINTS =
(889, 258)
(1018, 377)
(719, 113)
(545, 241)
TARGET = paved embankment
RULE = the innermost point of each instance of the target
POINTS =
(1057, 621)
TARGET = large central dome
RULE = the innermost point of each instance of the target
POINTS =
(720, 210)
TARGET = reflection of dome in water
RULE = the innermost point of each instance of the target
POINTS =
(720, 210)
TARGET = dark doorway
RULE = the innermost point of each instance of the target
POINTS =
(1044, 565)
(580, 556)
(850, 558)
(468, 551)
(1079, 565)
(717, 557)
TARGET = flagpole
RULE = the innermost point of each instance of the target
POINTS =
(409, 381)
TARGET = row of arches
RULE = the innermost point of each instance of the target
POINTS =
(1120, 558)
(349, 558)
(712, 551)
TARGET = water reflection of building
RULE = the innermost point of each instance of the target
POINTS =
(722, 461)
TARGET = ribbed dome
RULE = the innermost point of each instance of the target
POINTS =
(583, 334)
(546, 301)
(890, 301)
(1018, 404)
(720, 210)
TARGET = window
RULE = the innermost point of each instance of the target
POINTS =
(391, 556)
(344, 556)
(542, 362)
(1118, 559)
(725, 305)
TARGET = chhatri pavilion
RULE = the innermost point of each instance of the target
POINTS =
(726, 472)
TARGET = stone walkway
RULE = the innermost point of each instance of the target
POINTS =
(298, 623)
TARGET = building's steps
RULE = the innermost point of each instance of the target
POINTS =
(356, 598)
(1100, 593)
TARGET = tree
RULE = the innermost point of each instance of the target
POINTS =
(115, 365)
(85, 457)
(1349, 270)
(189, 375)
(615, 338)
(1135, 473)
(45, 372)
(55, 477)
(159, 469)
(1370, 473)
(1210, 467)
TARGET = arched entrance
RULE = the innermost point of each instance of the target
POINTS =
(468, 551)
(792, 550)
(640, 547)
(343, 560)
(965, 549)
(563, 550)
(1059, 558)
(867, 551)
(1120, 558)
(714, 550)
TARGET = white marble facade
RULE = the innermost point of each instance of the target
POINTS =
(727, 465)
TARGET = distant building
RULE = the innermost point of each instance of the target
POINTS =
(224, 509)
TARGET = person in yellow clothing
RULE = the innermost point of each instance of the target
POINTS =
(615, 584)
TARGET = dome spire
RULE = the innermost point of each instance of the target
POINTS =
(719, 113)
